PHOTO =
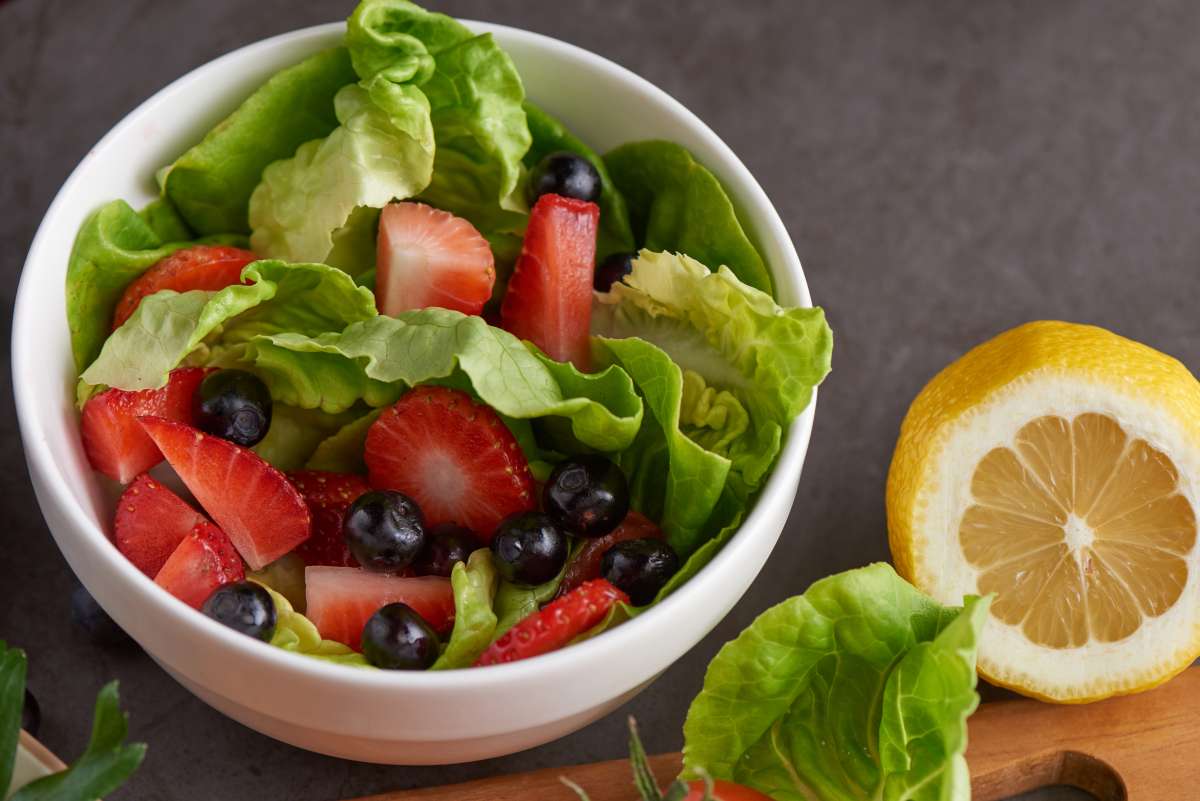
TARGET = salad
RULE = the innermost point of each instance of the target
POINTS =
(397, 372)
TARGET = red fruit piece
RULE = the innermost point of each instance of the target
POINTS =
(327, 495)
(114, 441)
(249, 499)
(203, 561)
(429, 258)
(339, 600)
(209, 267)
(585, 565)
(151, 521)
(555, 625)
(549, 297)
(451, 455)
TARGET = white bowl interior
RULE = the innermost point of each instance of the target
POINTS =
(270, 683)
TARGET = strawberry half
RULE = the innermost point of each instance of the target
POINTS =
(151, 521)
(451, 455)
(339, 600)
(552, 627)
(549, 297)
(585, 565)
(327, 495)
(115, 444)
(249, 499)
(209, 267)
(429, 258)
(203, 561)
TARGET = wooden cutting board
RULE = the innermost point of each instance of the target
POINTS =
(1141, 748)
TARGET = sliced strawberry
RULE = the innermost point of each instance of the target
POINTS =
(341, 599)
(249, 499)
(327, 495)
(549, 297)
(202, 562)
(451, 455)
(115, 444)
(585, 565)
(151, 521)
(555, 625)
(429, 258)
(209, 267)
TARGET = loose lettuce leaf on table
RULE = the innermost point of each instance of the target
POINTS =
(376, 359)
(169, 326)
(550, 135)
(723, 371)
(858, 689)
(677, 205)
(474, 585)
(212, 182)
(114, 246)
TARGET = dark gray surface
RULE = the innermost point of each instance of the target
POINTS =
(948, 170)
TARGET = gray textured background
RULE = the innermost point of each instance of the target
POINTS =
(947, 170)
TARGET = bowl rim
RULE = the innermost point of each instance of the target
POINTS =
(766, 225)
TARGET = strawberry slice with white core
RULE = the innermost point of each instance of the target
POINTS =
(249, 499)
(453, 456)
(429, 257)
(202, 562)
(150, 523)
(339, 600)
(549, 297)
(115, 443)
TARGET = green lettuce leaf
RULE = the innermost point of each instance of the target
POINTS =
(113, 246)
(549, 135)
(354, 243)
(723, 370)
(382, 149)
(105, 764)
(13, 667)
(285, 576)
(677, 205)
(375, 359)
(211, 184)
(296, 633)
(165, 221)
(295, 434)
(342, 451)
(474, 585)
(475, 97)
(858, 689)
(515, 602)
(168, 326)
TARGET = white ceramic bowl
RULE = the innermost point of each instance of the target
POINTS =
(388, 717)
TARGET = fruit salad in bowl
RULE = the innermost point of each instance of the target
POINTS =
(393, 372)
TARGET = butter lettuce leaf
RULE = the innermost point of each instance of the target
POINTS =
(374, 360)
(858, 689)
(114, 246)
(295, 434)
(342, 451)
(677, 205)
(474, 584)
(548, 136)
(296, 633)
(382, 149)
(723, 370)
(169, 326)
(212, 182)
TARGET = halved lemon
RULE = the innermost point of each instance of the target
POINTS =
(1058, 466)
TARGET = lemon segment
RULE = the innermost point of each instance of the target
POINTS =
(1058, 467)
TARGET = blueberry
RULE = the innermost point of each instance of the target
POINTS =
(92, 618)
(234, 405)
(614, 267)
(31, 714)
(640, 568)
(243, 606)
(384, 530)
(586, 495)
(529, 548)
(397, 638)
(445, 546)
(567, 174)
